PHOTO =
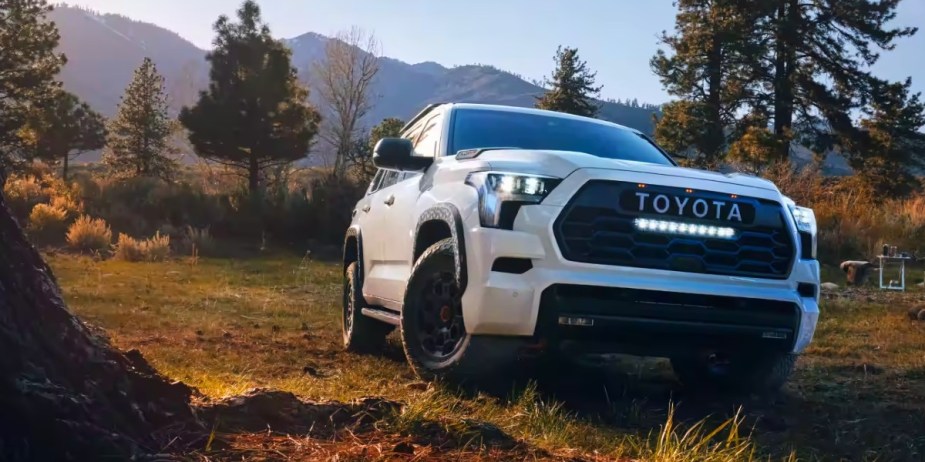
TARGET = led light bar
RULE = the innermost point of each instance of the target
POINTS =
(684, 229)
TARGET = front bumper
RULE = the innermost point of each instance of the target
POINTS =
(499, 303)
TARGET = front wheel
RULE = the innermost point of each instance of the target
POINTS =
(760, 373)
(433, 332)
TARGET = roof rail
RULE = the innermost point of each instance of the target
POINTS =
(416, 118)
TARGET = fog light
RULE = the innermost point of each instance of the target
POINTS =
(684, 229)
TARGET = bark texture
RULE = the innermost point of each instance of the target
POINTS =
(65, 392)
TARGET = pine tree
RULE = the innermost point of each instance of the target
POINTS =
(820, 53)
(62, 129)
(571, 88)
(255, 114)
(892, 141)
(138, 140)
(28, 66)
(708, 70)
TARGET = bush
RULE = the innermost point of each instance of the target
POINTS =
(157, 248)
(71, 207)
(853, 221)
(22, 194)
(89, 235)
(200, 240)
(47, 224)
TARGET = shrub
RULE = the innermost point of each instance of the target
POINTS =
(47, 224)
(157, 248)
(89, 235)
(201, 240)
(128, 249)
(72, 207)
(22, 194)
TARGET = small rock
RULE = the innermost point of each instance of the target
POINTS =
(403, 448)
(829, 286)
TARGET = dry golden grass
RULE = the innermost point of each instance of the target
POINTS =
(226, 326)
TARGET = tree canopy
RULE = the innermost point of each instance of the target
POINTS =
(61, 129)
(571, 87)
(255, 114)
(752, 78)
(138, 139)
(28, 66)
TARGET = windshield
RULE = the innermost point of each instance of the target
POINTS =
(481, 128)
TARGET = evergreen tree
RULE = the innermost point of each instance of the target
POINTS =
(390, 127)
(571, 88)
(708, 70)
(137, 142)
(820, 53)
(892, 141)
(28, 66)
(62, 129)
(255, 114)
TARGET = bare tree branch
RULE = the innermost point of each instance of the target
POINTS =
(345, 77)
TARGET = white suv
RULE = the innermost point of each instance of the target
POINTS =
(495, 233)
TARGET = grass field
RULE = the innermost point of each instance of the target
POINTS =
(225, 326)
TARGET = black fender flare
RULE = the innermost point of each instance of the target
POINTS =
(449, 214)
(354, 232)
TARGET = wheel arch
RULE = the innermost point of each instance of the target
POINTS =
(439, 222)
(353, 249)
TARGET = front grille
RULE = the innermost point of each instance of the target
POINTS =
(597, 226)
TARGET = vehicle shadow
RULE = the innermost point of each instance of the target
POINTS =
(828, 421)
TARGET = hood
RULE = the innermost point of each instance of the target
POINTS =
(563, 163)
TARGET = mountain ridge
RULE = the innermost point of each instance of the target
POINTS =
(104, 49)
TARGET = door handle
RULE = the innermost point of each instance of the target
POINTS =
(390, 200)
(366, 208)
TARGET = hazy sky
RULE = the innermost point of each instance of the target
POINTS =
(616, 37)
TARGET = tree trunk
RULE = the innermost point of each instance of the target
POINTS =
(253, 176)
(715, 134)
(65, 393)
(784, 64)
(64, 167)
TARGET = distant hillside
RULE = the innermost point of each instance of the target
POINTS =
(103, 50)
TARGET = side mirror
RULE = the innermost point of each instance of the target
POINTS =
(398, 154)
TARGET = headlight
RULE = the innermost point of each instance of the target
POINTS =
(805, 220)
(502, 194)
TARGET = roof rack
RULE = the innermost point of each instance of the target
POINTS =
(424, 112)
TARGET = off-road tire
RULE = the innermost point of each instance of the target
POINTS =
(474, 358)
(362, 334)
(764, 373)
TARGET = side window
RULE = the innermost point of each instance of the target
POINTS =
(426, 144)
(374, 184)
(389, 177)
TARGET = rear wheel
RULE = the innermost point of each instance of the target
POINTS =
(432, 328)
(362, 334)
(762, 373)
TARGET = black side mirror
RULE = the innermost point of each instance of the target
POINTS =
(398, 154)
